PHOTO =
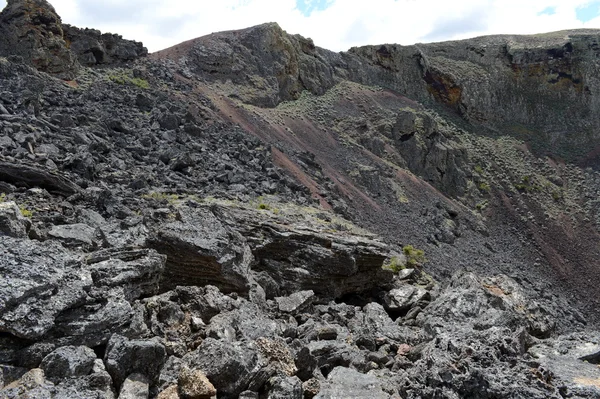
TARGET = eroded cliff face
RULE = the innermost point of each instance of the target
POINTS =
(542, 88)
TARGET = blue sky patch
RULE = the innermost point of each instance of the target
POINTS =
(548, 11)
(588, 12)
(307, 7)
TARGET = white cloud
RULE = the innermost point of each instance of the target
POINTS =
(345, 23)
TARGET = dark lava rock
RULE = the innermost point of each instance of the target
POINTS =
(91, 47)
(68, 361)
(124, 357)
(348, 383)
(31, 29)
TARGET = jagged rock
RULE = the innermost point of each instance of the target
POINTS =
(279, 65)
(30, 273)
(328, 333)
(193, 384)
(311, 388)
(278, 354)
(296, 302)
(169, 393)
(68, 361)
(124, 357)
(138, 269)
(285, 387)
(32, 29)
(78, 235)
(349, 383)
(247, 322)
(290, 258)
(230, 367)
(404, 298)
(113, 156)
(202, 250)
(9, 374)
(91, 47)
(31, 385)
(12, 223)
(30, 176)
(570, 363)
(135, 386)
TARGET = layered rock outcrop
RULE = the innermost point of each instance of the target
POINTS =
(31, 29)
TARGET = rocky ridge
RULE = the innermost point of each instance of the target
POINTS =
(196, 223)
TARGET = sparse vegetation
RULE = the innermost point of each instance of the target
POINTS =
(25, 212)
(264, 206)
(481, 206)
(414, 257)
(526, 184)
(159, 196)
(558, 195)
(485, 187)
(394, 264)
(123, 79)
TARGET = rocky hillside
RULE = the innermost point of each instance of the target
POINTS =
(247, 215)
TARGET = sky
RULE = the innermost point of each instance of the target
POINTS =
(333, 24)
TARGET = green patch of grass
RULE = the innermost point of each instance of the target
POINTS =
(141, 83)
(478, 169)
(123, 79)
(25, 212)
(485, 187)
(2, 197)
(414, 257)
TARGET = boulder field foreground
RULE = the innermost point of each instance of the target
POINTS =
(247, 215)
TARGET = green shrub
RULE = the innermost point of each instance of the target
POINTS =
(123, 79)
(485, 187)
(414, 257)
(394, 265)
(2, 197)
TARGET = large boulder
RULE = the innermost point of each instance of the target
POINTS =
(12, 223)
(230, 367)
(68, 361)
(125, 357)
(292, 255)
(344, 382)
(202, 250)
(46, 291)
